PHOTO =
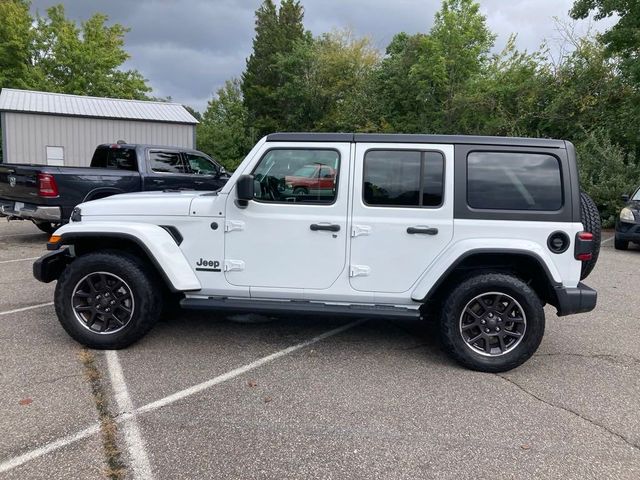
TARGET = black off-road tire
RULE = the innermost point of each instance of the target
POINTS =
(620, 244)
(590, 218)
(145, 291)
(452, 309)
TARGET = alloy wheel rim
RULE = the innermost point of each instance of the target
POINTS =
(493, 324)
(103, 303)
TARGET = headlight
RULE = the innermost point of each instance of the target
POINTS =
(626, 215)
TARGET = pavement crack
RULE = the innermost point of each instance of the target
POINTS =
(626, 440)
(615, 359)
(116, 468)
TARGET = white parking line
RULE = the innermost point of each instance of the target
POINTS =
(239, 371)
(49, 447)
(24, 309)
(132, 437)
(19, 260)
(62, 442)
(607, 240)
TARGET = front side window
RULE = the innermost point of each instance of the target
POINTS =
(513, 181)
(201, 165)
(403, 178)
(294, 175)
(166, 162)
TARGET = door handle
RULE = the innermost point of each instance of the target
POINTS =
(422, 230)
(324, 226)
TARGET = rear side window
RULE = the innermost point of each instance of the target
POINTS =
(513, 181)
(403, 178)
(116, 158)
(166, 162)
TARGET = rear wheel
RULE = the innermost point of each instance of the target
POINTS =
(107, 300)
(620, 244)
(492, 322)
(300, 191)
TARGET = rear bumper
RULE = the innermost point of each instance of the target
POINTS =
(578, 299)
(29, 211)
(49, 267)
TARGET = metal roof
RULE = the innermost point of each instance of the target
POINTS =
(26, 101)
(414, 138)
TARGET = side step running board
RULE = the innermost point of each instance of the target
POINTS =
(298, 307)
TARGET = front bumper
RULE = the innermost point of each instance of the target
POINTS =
(578, 299)
(49, 267)
(29, 211)
(627, 231)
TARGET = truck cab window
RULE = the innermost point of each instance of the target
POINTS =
(163, 161)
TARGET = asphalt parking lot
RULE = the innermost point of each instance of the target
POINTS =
(206, 397)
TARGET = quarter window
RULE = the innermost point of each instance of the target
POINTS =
(166, 162)
(297, 176)
(513, 181)
(403, 178)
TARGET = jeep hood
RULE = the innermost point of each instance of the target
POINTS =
(142, 203)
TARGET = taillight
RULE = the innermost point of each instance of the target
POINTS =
(47, 186)
(584, 246)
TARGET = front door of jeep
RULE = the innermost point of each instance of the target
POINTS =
(402, 213)
(290, 236)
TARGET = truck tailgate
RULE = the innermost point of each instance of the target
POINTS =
(19, 182)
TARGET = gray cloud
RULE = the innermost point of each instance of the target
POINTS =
(187, 49)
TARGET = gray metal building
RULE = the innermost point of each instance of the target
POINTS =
(57, 129)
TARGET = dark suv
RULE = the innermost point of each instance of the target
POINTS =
(628, 222)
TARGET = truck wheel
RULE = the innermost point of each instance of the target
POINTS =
(107, 300)
(47, 227)
(492, 323)
(591, 222)
(620, 244)
(299, 191)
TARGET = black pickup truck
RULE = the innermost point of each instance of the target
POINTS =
(47, 195)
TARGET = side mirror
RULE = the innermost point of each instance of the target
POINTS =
(625, 198)
(244, 190)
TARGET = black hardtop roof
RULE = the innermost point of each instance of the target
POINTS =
(415, 138)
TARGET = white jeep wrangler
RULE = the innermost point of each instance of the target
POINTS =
(480, 231)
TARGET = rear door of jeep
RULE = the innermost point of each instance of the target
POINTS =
(402, 213)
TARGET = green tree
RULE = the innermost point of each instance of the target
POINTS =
(426, 71)
(222, 131)
(85, 59)
(328, 83)
(623, 39)
(16, 38)
(278, 32)
(507, 98)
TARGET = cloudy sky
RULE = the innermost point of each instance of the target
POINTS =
(188, 48)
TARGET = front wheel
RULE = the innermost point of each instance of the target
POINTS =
(107, 300)
(492, 323)
(620, 244)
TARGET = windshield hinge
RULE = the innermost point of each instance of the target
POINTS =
(359, 271)
(231, 225)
